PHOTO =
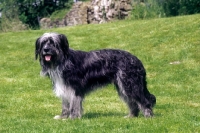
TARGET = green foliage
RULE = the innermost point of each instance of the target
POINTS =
(161, 8)
(30, 11)
(61, 13)
(180, 7)
(168, 47)
(9, 20)
(146, 10)
(15, 24)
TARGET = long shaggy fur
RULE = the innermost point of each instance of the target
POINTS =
(76, 73)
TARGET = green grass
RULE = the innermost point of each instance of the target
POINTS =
(27, 103)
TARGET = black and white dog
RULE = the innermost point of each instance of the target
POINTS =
(76, 73)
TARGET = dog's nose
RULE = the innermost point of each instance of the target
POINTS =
(46, 49)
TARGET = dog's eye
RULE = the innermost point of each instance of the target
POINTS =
(52, 43)
(42, 44)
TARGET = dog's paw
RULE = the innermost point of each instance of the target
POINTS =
(148, 113)
(57, 117)
(128, 116)
(131, 115)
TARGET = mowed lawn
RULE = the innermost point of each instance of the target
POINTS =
(168, 47)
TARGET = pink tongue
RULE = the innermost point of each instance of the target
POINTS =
(48, 57)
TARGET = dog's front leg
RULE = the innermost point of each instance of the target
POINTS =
(76, 107)
(65, 110)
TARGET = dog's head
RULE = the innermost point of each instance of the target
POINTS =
(51, 49)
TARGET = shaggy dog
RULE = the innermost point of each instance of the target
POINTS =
(76, 73)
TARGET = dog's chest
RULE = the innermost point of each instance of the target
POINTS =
(60, 88)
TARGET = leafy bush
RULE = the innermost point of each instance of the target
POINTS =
(148, 9)
(59, 14)
(9, 20)
(160, 8)
(180, 7)
(30, 13)
(11, 25)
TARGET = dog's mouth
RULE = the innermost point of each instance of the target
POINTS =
(47, 58)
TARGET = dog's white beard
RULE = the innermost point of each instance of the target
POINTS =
(60, 88)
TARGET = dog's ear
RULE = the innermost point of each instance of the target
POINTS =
(64, 44)
(37, 48)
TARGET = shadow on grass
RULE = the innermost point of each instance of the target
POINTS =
(92, 115)
(103, 114)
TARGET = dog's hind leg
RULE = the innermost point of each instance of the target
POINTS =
(142, 97)
(76, 107)
(146, 100)
(131, 103)
(132, 89)
(133, 108)
(136, 103)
